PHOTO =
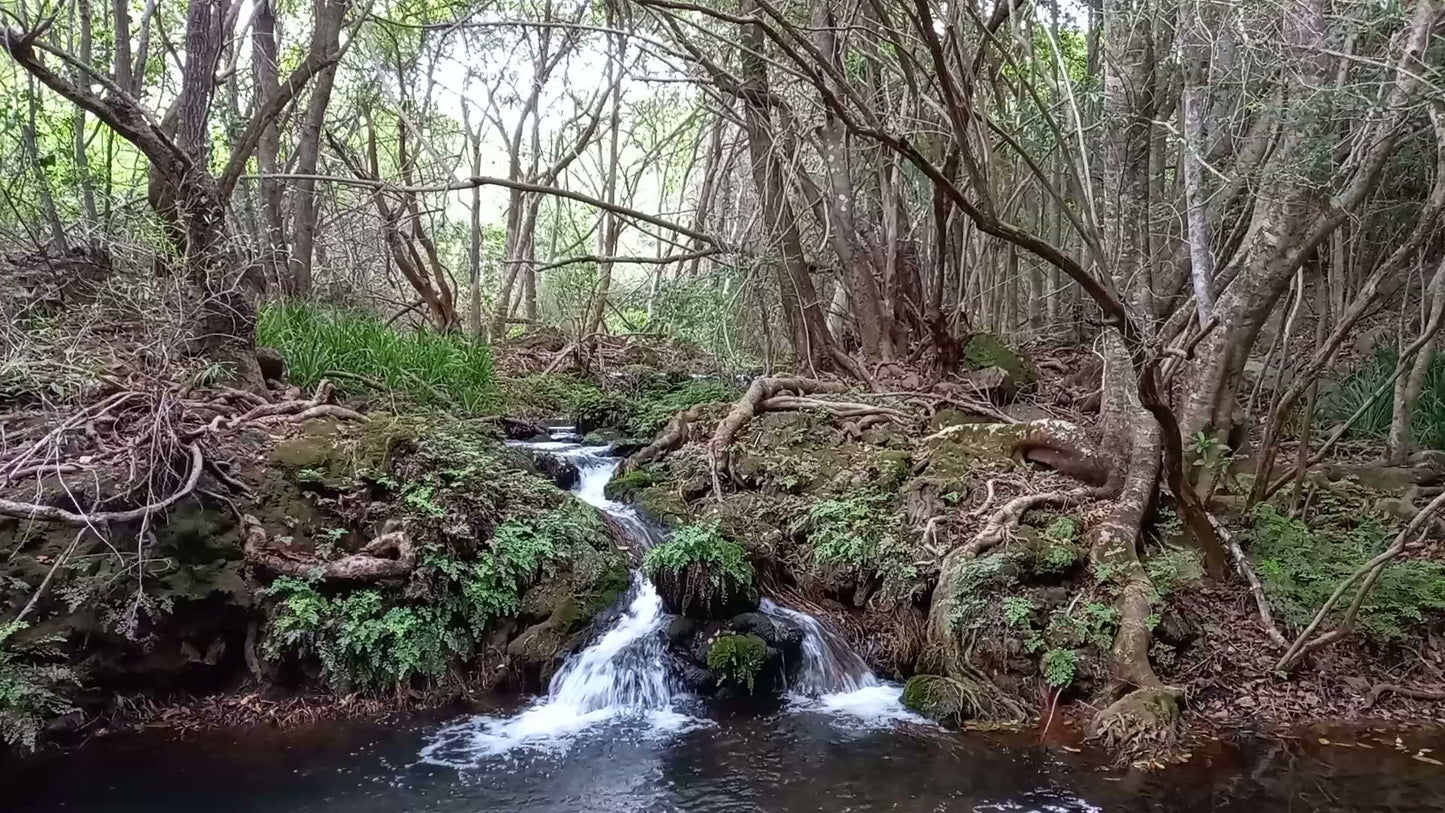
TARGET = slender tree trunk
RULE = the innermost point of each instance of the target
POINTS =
(264, 48)
(325, 39)
(1408, 387)
(82, 160)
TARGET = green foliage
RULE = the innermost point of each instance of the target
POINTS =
(725, 560)
(737, 659)
(1060, 667)
(427, 368)
(1059, 550)
(1301, 564)
(861, 532)
(29, 687)
(1017, 610)
(1353, 388)
(360, 641)
(1170, 566)
(654, 408)
(976, 578)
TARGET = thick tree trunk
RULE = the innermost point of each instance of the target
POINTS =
(807, 328)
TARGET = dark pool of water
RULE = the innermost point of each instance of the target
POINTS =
(737, 762)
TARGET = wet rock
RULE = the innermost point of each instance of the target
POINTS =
(680, 630)
(557, 469)
(1176, 629)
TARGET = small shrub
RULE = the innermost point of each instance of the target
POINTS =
(1017, 611)
(1301, 565)
(29, 687)
(738, 659)
(863, 533)
(1060, 667)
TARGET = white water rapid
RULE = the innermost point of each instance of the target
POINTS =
(622, 677)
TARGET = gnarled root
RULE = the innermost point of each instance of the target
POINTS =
(672, 437)
(751, 403)
(389, 556)
(1141, 726)
(1143, 721)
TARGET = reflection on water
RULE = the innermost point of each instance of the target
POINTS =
(786, 761)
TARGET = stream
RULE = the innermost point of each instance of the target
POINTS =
(616, 732)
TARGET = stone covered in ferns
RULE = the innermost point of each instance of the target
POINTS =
(702, 574)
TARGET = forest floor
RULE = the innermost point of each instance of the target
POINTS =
(846, 502)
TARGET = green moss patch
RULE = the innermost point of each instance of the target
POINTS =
(737, 660)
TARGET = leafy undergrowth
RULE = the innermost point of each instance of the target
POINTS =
(31, 686)
(353, 348)
(1356, 386)
(865, 533)
(489, 532)
(1300, 564)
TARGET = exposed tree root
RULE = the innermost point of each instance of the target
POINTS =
(1144, 718)
(1060, 445)
(50, 513)
(1140, 727)
(751, 403)
(673, 436)
(1383, 689)
(389, 556)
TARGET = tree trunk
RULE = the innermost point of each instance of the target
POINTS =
(1408, 387)
(325, 39)
(264, 48)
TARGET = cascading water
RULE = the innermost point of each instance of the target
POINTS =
(833, 678)
(623, 677)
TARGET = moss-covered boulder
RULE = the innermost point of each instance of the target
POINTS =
(702, 574)
(985, 350)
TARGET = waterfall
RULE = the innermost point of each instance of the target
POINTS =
(833, 679)
(622, 676)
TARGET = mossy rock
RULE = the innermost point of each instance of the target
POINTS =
(326, 454)
(955, 701)
(624, 488)
(737, 660)
(985, 350)
(663, 505)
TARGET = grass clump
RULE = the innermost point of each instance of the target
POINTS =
(29, 687)
(1358, 385)
(425, 367)
(701, 573)
(1300, 565)
(737, 660)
